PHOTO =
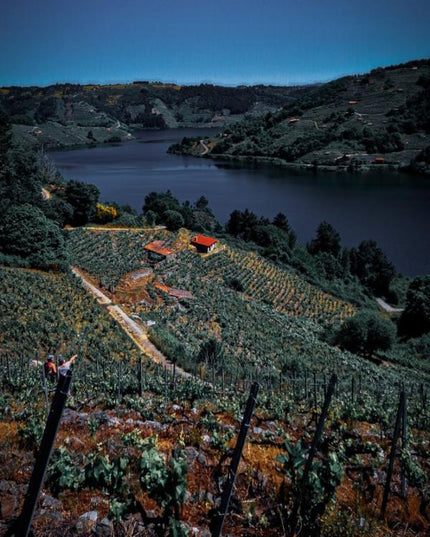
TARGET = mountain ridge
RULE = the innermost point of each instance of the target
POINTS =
(67, 115)
(376, 120)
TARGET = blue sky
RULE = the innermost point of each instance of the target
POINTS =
(193, 41)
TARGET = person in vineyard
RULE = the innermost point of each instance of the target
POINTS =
(63, 365)
(50, 368)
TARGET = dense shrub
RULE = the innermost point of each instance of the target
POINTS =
(415, 319)
(366, 333)
(28, 234)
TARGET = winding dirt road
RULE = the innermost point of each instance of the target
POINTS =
(132, 329)
(387, 307)
(205, 147)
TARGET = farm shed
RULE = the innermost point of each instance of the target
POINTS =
(157, 252)
(203, 244)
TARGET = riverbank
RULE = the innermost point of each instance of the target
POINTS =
(345, 163)
(54, 137)
(390, 208)
(280, 163)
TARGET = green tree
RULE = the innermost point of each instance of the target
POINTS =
(274, 240)
(327, 240)
(46, 109)
(173, 220)
(58, 210)
(5, 138)
(19, 179)
(202, 203)
(83, 198)
(366, 333)
(47, 170)
(242, 223)
(187, 213)
(328, 265)
(160, 202)
(234, 224)
(29, 235)
(372, 267)
(415, 320)
(281, 222)
(151, 218)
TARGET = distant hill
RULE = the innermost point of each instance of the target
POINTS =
(380, 119)
(65, 115)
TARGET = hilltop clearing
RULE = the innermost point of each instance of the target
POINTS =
(381, 119)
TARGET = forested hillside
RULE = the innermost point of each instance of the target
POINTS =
(380, 119)
(71, 114)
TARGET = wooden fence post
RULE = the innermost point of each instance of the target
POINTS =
(404, 444)
(315, 392)
(45, 389)
(306, 387)
(312, 452)
(119, 377)
(219, 518)
(58, 403)
(140, 376)
(392, 453)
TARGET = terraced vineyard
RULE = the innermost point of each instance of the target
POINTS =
(272, 326)
(108, 255)
(43, 313)
(130, 428)
(286, 292)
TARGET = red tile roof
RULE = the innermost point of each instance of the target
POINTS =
(157, 248)
(201, 240)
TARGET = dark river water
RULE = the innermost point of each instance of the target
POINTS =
(393, 209)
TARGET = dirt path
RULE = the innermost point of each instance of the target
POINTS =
(205, 148)
(387, 307)
(46, 195)
(132, 329)
(104, 228)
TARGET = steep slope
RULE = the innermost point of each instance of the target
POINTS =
(142, 451)
(266, 319)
